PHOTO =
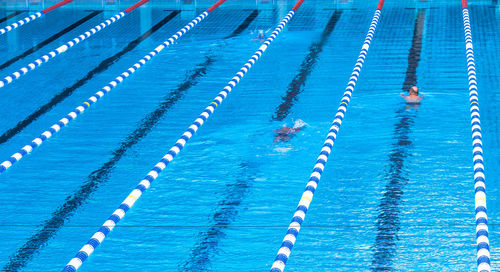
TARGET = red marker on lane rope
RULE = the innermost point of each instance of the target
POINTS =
(380, 4)
(136, 5)
(216, 5)
(297, 5)
(60, 4)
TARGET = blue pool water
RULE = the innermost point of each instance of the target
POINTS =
(396, 195)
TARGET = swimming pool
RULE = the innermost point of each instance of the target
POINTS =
(397, 194)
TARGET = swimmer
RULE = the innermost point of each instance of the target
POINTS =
(260, 37)
(413, 97)
(286, 133)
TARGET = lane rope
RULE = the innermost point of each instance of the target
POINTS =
(50, 39)
(135, 194)
(482, 240)
(63, 48)
(306, 198)
(33, 17)
(93, 99)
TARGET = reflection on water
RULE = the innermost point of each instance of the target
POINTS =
(397, 177)
(225, 213)
(388, 223)
(101, 175)
(299, 81)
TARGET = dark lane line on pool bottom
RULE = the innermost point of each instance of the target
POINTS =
(66, 92)
(299, 81)
(50, 39)
(64, 212)
(225, 213)
(244, 25)
(12, 15)
(388, 224)
(101, 175)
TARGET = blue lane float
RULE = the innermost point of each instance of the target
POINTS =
(482, 240)
(33, 17)
(63, 48)
(135, 194)
(93, 99)
(306, 198)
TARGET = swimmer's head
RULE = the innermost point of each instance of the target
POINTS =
(413, 90)
(299, 123)
(261, 31)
